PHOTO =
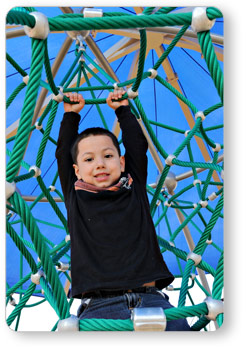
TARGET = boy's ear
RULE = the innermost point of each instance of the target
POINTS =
(76, 170)
(122, 163)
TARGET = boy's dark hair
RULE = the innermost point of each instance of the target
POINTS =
(93, 131)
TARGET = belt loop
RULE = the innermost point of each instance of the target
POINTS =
(132, 299)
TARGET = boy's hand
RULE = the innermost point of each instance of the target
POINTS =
(117, 94)
(74, 97)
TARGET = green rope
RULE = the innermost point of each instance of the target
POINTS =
(27, 111)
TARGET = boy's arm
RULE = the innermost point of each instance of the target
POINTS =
(133, 138)
(67, 135)
(135, 144)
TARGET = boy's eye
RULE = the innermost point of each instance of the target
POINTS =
(88, 159)
(108, 155)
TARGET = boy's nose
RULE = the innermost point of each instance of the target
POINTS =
(100, 163)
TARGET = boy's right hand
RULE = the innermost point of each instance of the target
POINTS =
(74, 97)
(113, 97)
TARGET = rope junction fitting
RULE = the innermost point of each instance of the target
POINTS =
(37, 171)
(35, 278)
(200, 21)
(200, 115)
(149, 319)
(169, 159)
(70, 324)
(215, 307)
(41, 29)
(194, 257)
(9, 189)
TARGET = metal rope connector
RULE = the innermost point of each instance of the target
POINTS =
(149, 319)
(36, 170)
(200, 21)
(69, 324)
(41, 29)
(9, 189)
(215, 307)
(131, 94)
(35, 277)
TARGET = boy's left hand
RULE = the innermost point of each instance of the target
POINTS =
(117, 94)
(74, 97)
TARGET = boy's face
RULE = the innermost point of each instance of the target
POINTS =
(98, 161)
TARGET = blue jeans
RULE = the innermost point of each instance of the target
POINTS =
(119, 307)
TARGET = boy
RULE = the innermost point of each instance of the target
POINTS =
(116, 263)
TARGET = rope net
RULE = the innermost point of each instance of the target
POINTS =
(188, 221)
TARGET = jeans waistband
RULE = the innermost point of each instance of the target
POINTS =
(118, 292)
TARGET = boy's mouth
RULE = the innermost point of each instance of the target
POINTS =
(101, 176)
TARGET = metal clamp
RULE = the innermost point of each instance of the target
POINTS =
(35, 277)
(194, 257)
(38, 127)
(213, 196)
(63, 267)
(149, 319)
(26, 79)
(9, 189)
(41, 29)
(153, 72)
(59, 97)
(131, 94)
(200, 21)
(169, 159)
(217, 147)
(69, 324)
(203, 203)
(200, 114)
(215, 307)
(88, 12)
(197, 181)
(67, 238)
(36, 170)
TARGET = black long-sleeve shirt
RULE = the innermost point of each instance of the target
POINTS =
(113, 239)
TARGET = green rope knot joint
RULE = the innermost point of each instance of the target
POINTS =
(41, 29)
(37, 171)
(169, 159)
(194, 257)
(89, 12)
(131, 94)
(200, 114)
(35, 278)
(63, 267)
(215, 307)
(59, 97)
(38, 127)
(203, 203)
(149, 319)
(197, 181)
(9, 189)
(217, 147)
(200, 21)
(153, 73)
(69, 324)
(26, 79)
(213, 196)
(67, 238)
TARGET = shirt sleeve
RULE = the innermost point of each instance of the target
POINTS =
(135, 144)
(67, 135)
